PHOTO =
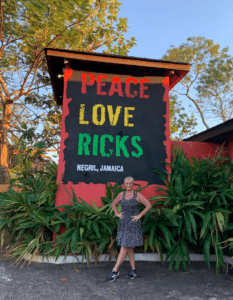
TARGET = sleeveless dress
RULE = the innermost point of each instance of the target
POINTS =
(129, 233)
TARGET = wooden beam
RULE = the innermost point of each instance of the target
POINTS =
(114, 60)
(176, 77)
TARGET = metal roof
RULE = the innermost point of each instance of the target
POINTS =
(217, 134)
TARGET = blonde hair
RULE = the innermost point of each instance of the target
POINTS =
(129, 178)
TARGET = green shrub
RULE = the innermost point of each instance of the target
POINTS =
(199, 193)
(195, 211)
(28, 215)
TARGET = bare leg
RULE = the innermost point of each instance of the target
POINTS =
(130, 253)
(120, 258)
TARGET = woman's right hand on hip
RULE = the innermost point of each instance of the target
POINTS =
(120, 215)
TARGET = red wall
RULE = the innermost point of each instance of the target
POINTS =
(93, 192)
(200, 149)
(230, 147)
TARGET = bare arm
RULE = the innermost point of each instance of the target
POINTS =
(147, 203)
(116, 200)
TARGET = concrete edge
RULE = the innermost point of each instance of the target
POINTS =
(105, 258)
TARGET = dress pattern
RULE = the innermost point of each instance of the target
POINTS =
(129, 233)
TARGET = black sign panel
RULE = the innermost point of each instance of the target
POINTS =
(116, 128)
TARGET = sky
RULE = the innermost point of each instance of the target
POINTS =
(157, 25)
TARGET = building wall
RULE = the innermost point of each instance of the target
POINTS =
(230, 147)
(93, 192)
(200, 149)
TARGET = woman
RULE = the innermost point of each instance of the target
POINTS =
(129, 234)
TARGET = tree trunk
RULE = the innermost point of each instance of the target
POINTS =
(4, 155)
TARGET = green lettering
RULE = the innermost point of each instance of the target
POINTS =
(133, 142)
(83, 145)
(102, 144)
(121, 146)
(95, 144)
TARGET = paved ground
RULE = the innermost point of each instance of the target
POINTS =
(44, 281)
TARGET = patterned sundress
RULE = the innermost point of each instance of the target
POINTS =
(129, 233)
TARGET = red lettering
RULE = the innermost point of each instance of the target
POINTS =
(118, 89)
(99, 84)
(85, 82)
(116, 85)
(142, 88)
(127, 87)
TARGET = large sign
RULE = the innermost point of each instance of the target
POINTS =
(116, 127)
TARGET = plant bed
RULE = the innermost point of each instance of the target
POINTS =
(194, 216)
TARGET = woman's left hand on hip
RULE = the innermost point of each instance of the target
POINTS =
(136, 218)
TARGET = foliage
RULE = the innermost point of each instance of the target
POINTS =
(88, 230)
(92, 229)
(215, 87)
(181, 125)
(195, 211)
(22, 162)
(199, 193)
(210, 77)
(28, 214)
(26, 28)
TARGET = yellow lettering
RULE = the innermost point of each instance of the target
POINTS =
(113, 118)
(81, 115)
(127, 116)
(95, 115)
